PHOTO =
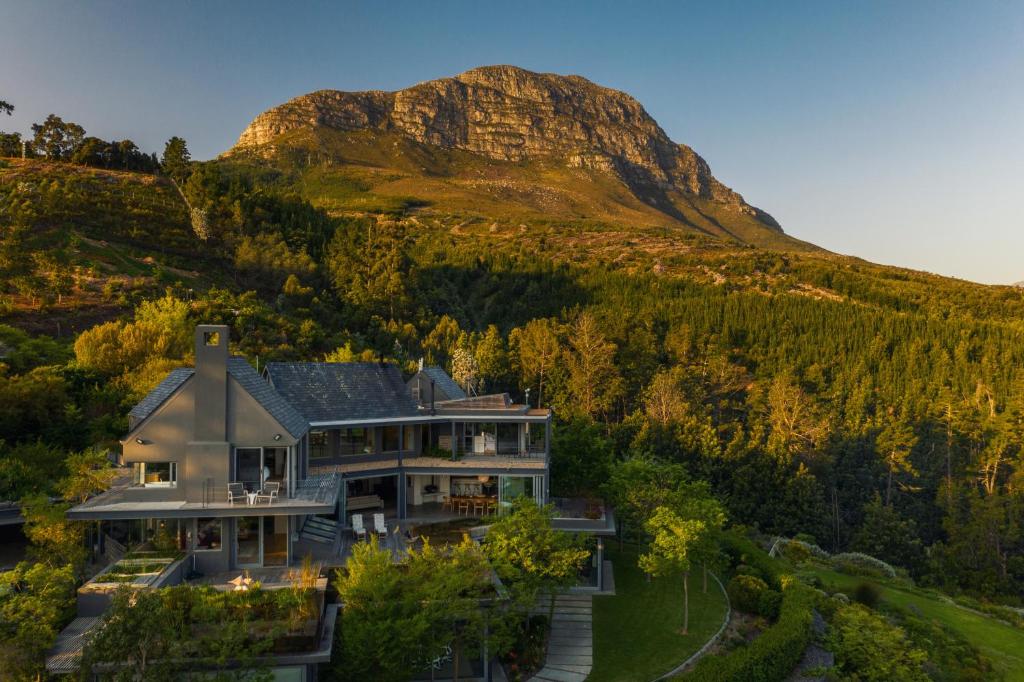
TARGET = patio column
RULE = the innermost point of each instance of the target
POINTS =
(401, 495)
(455, 446)
(600, 563)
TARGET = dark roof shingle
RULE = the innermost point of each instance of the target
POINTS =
(261, 391)
(343, 391)
(161, 393)
(445, 386)
(256, 386)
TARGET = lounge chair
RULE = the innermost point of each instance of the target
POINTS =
(236, 493)
(357, 527)
(269, 492)
(379, 527)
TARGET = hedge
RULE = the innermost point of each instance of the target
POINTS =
(745, 592)
(775, 653)
(742, 550)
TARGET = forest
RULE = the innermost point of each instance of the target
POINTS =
(857, 407)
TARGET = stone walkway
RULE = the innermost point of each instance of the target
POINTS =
(571, 645)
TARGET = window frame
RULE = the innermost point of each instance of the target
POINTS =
(220, 534)
(139, 475)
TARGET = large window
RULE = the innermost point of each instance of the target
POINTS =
(317, 444)
(536, 435)
(356, 441)
(155, 474)
(208, 534)
(389, 438)
(409, 440)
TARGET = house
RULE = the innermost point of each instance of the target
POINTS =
(415, 450)
(200, 448)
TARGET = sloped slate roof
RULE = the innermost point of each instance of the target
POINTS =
(261, 391)
(158, 395)
(279, 408)
(343, 391)
(444, 383)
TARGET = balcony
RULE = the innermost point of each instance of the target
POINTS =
(317, 494)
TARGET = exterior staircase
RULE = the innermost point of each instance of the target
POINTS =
(319, 529)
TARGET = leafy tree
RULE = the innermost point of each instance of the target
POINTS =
(887, 535)
(10, 144)
(594, 380)
(55, 540)
(581, 459)
(869, 648)
(672, 550)
(895, 443)
(136, 633)
(35, 601)
(6, 107)
(176, 161)
(89, 473)
(530, 556)
(538, 349)
(56, 139)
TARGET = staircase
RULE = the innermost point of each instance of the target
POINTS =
(319, 529)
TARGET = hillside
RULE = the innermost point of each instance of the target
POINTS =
(505, 144)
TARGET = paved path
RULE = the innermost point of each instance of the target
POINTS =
(571, 645)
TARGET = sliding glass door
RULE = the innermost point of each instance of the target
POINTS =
(256, 466)
(261, 541)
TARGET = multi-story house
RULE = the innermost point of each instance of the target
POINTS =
(417, 451)
(217, 462)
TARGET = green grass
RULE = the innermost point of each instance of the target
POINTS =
(1003, 644)
(636, 632)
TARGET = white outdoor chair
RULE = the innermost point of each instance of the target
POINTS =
(379, 527)
(269, 492)
(357, 527)
(236, 493)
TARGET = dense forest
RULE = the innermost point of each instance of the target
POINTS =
(856, 406)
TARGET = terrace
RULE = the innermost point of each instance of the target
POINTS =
(316, 494)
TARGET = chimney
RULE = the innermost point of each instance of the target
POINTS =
(211, 396)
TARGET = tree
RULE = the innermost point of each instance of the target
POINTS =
(55, 540)
(869, 648)
(89, 473)
(10, 144)
(672, 550)
(398, 618)
(176, 161)
(538, 350)
(137, 634)
(886, 535)
(465, 371)
(594, 380)
(55, 138)
(529, 555)
(6, 107)
(895, 442)
(35, 600)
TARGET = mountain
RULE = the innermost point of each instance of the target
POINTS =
(504, 140)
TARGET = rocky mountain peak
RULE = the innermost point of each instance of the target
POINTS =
(507, 113)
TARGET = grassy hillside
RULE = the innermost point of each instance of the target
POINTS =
(91, 243)
(369, 171)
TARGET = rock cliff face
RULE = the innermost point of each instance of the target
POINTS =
(510, 114)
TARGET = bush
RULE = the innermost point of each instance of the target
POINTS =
(745, 593)
(855, 563)
(744, 569)
(867, 594)
(742, 550)
(769, 603)
(869, 647)
(774, 654)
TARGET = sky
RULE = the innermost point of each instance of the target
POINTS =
(892, 131)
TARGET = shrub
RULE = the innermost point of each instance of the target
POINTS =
(745, 592)
(774, 654)
(868, 647)
(742, 550)
(867, 594)
(744, 569)
(855, 563)
(768, 604)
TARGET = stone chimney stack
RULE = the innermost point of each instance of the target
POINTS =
(211, 383)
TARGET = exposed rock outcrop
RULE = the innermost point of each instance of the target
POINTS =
(510, 114)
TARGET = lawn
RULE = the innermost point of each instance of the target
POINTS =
(1002, 643)
(636, 632)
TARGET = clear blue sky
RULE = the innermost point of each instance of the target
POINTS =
(891, 131)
